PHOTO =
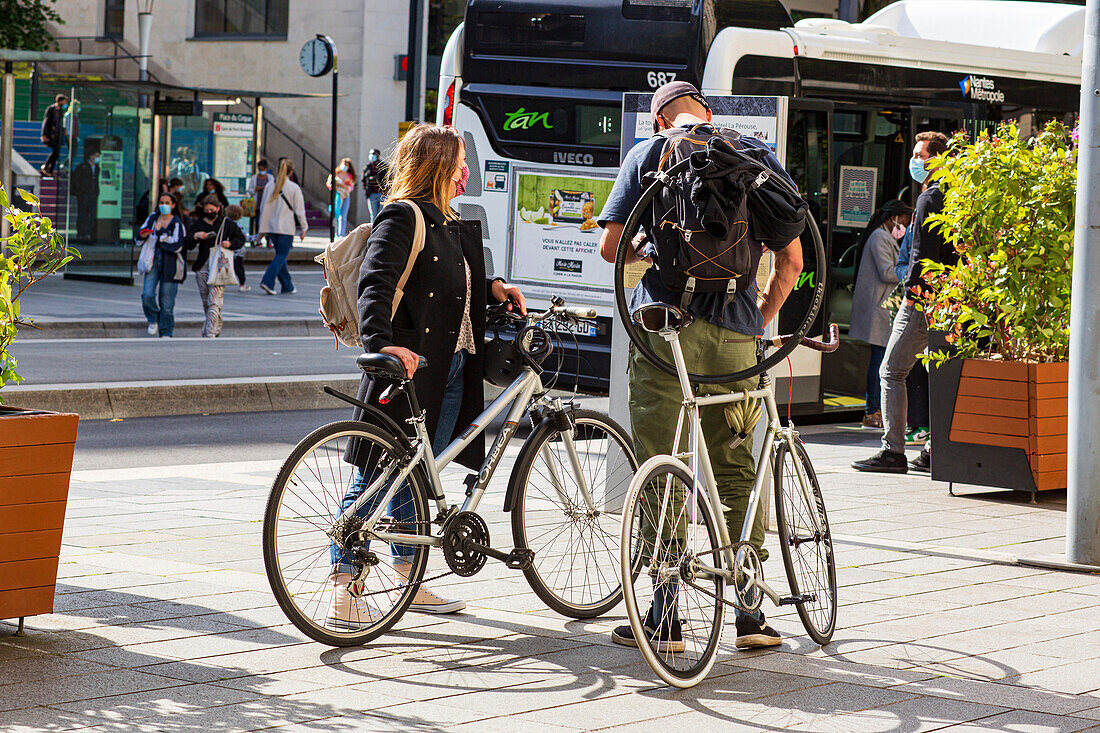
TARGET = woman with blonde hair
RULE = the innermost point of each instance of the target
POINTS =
(343, 179)
(440, 318)
(283, 215)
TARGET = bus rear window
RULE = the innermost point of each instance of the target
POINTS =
(503, 29)
(668, 10)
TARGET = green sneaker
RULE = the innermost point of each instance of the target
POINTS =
(917, 436)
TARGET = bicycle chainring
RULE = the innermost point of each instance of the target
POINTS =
(462, 529)
(747, 569)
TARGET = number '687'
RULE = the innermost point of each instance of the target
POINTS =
(657, 78)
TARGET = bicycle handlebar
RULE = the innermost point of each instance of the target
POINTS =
(825, 347)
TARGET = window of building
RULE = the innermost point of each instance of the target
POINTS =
(114, 16)
(236, 18)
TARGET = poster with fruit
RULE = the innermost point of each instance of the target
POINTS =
(556, 238)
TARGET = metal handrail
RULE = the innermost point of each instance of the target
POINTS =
(120, 50)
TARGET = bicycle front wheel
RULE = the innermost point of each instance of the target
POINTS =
(668, 558)
(302, 545)
(574, 569)
(805, 540)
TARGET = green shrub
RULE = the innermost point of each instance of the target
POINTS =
(33, 250)
(1008, 212)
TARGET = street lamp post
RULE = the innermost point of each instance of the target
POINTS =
(1083, 494)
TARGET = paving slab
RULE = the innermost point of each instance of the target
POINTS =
(165, 622)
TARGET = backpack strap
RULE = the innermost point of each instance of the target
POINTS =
(419, 237)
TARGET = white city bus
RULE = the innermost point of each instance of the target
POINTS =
(536, 87)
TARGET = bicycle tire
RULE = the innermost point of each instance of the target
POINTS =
(812, 571)
(301, 598)
(563, 585)
(630, 228)
(701, 625)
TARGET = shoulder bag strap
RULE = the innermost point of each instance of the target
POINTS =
(297, 221)
(419, 237)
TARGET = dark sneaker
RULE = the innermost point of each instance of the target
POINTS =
(883, 462)
(922, 463)
(667, 640)
(753, 634)
(873, 420)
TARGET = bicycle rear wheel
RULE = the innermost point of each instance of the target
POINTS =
(300, 542)
(576, 552)
(668, 531)
(806, 544)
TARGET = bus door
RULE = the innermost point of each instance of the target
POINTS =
(808, 159)
(870, 147)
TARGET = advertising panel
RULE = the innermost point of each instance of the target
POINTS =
(555, 247)
(856, 202)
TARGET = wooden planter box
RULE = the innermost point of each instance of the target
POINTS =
(1005, 424)
(36, 460)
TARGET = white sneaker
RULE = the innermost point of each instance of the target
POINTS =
(425, 601)
(152, 330)
(246, 288)
(269, 291)
(346, 612)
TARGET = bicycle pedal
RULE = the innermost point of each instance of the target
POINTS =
(798, 600)
(520, 559)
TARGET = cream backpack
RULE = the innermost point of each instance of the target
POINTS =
(342, 261)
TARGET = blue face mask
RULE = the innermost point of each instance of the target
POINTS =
(164, 209)
(917, 170)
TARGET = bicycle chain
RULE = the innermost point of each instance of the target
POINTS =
(415, 583)
(715, 596)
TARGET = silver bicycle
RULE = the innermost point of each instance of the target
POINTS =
(676, 551)
(359, 489)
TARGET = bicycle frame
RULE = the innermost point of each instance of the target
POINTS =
(699, 456)
(520, 395)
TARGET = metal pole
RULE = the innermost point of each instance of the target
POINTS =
(145, 27)
(413, 73)
(332, 149)
(422, 62)
(7, 132)
(154, 178)
(1083, 495)
(34, 92)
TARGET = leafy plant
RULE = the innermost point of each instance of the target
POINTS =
(33, 250)
(23, 24)
(1008, 211)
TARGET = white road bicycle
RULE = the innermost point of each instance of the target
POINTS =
(564, 496)
(676, 549)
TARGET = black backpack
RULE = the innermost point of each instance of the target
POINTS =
(711, 221)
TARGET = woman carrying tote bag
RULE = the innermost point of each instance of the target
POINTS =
(212, 234)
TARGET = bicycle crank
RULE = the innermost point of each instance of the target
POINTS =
(466, 546)
(748, 567)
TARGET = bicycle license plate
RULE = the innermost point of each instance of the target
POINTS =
(581, 328)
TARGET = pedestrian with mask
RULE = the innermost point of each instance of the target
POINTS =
(441, 317)
(211, 186)
(53, 133)
(720, 339)
(909, 336)
(169, 267)
(343, 179)
(210, 230)
(875, 279)
(284, 214)
(374, 182)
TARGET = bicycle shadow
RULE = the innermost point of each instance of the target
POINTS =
(127, 669)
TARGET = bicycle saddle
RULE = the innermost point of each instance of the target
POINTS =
(384, 366)
(655, 317)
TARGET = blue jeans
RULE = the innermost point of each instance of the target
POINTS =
(162, 315)
(401, 505)
(278, 268)
(374, 205)
(874, 389)
(341, 204)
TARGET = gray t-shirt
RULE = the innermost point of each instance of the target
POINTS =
(741, 315)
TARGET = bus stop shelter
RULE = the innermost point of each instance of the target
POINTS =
(122, 138)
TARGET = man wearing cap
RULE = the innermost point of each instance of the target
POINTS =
(721, 340)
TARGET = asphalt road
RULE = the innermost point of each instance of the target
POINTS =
(189, 439)
(83, 361)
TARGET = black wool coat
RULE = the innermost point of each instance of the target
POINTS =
(428, 319)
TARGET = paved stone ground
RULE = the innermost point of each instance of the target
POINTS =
(164, 622)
